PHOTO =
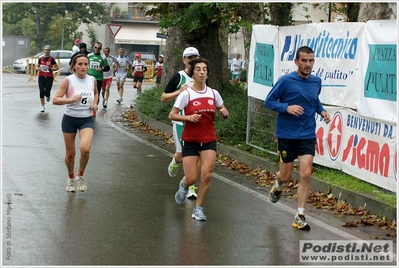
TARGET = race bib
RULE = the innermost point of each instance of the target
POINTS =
(44, 68)
(94, 65)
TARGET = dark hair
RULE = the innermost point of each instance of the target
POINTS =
(193, 62)
(74, 61)
(304, 49)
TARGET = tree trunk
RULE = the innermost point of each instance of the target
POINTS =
(205, 39)
(173, 54)
(209, 47)
(224, 42)
(353, 11)
(253, 12)
(375, 11)
(280, 14)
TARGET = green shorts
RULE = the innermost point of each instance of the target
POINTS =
(235, 76)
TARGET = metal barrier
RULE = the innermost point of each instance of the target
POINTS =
(31, 63)
(150, 73)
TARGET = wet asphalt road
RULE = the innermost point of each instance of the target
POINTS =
(128, 215)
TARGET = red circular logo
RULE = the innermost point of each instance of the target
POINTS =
(334, 137)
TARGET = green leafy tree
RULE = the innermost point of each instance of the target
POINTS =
(92, 36)
(48, 17)
(201, 25)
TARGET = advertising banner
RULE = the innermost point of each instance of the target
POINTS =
(263, 65)
(377, 92)
(336, 57)
(357, 63)
(361, 146)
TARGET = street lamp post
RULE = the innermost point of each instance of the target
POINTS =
(62, 38)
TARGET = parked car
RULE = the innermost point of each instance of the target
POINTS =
(144, 56)
(63, 55)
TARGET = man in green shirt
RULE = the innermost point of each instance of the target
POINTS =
(97, 65)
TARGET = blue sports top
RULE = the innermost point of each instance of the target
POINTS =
(292, 89)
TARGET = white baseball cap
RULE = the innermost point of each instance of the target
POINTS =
(190, 51)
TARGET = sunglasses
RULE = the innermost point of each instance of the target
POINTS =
(98, 47)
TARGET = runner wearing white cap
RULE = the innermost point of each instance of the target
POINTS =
(177, 84)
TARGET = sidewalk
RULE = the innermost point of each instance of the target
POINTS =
(355, 199)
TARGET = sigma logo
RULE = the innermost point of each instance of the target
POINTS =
(196, 103)
(334, 137)
(210, 102)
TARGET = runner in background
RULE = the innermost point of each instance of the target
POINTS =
(124, 64)
(138, 69)
(108, 76)
(236, 68)
(97, 65)
(158, 69)
(76, 47)
(46, 65)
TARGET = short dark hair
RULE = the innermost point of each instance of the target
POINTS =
(193, 62)
(303, 49)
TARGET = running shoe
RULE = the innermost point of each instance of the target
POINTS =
(180, 195)
(191, 194)
(82, 186)
(274, 194)
(173, 168)
(71, 185)
(300, 222)
(119, 100)
(198, 214)
(43, 109)
(48, 99)
(105, 104)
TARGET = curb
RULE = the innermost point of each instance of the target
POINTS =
(355, 199)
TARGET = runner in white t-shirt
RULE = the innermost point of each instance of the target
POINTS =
(107, 76)
(124, 64)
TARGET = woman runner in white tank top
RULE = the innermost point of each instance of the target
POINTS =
(78, 92)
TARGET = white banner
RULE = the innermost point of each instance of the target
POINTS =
(263, 64)
(377, 94)
(336, 55)
(357, 63)
(361, 146)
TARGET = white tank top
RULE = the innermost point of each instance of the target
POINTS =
(83, 87)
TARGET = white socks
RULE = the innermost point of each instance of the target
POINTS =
(279, 186)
